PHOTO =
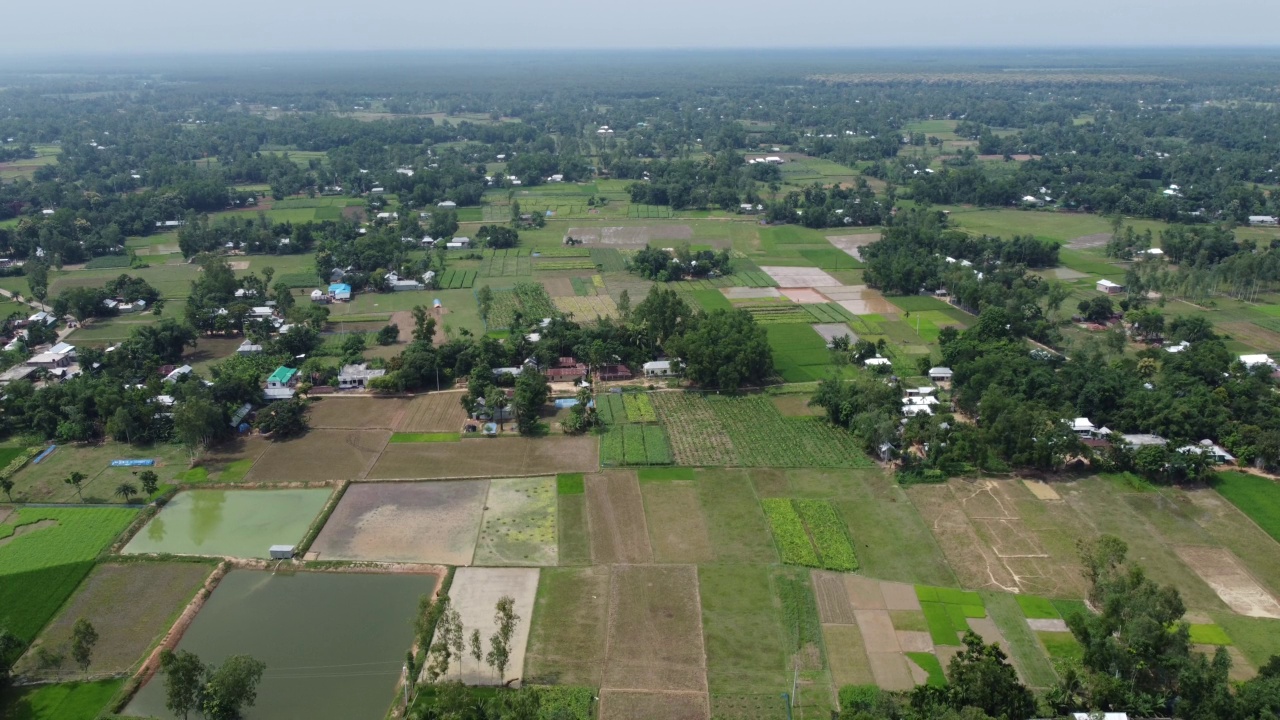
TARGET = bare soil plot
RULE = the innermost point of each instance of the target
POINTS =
(833, 599)
(975, 565)
(628, 705)
(677, 527)
(131, 605)
(899, 596)
(831, 331)
(432, 522)
(519, 526)
(655, 630)
(616, 511)
(891, 670)
(1220, 569)
(1241, 669)
(355, 413)
(1041, 490)
(475, 592)
(991, 635)
(321, 455)
(1230, 528)
(878, 634)
(435, 412)
(1253, 335)
(635, 236)
(1046, 625)
(795, 406)
(864, 593)
(860, 300)
(846, 656)
(803, 296)
(799, 277)
(915, 641)
(557, 286)
(746, 293)
(1063, 273)
(567, 636)
(1085, 242)
(487, 457)
(853, 244)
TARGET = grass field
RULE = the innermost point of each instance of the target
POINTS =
(47, 553)
(1257, 497)
(67, 701)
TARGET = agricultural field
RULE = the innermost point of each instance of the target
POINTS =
(44, 481)
(65, 701)
(519, 526)
(154, 592)
(404, 522)
(229, 523)
(529, 299)
(474, 593)
(487, 457)
(320, 455)
(51, 549)
(434, 412)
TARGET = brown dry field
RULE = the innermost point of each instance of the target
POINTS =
(487, 457)
(570, 620)
(998, 535)
(624, 705)
(655, 630)
(405, 522)
(833, 599)
(1253, 335)
(241, 447)
(1233, 530)
(557, 286)
(474, 593)
(1220, 569)
(153, 594)
(795, 405)
(321, 455)
(436, 412)
(615, 511)
(1085, 242)
(677, 527)
(847, 656)
(631, 236)
(355, 412)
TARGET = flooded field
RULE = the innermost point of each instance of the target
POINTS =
(333, 643)
(229, 523)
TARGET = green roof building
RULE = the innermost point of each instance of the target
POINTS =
(282, 377)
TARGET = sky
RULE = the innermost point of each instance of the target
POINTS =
(93, 27)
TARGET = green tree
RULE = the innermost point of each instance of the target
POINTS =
(283, 296)
(624, 305)
(197, 422)
(389, 335)
(231, 687)
(283, 419)
(83, 639)
(725, 350)
(484, 296)
(76, 480)
(6, 486)
(505, 618)
(980, 676)
(126, 491)
(150, 482)
(531, 394)
(477, 648)
(443, 225)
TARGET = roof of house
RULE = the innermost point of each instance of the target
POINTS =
(1254, 360)
(1107, 283)
(1139, 439)
(63, 348)
(658, 365)
(1082, 424)
(877, 361)
(360, 370)
(339, 287)
(940, 371)
(282, 375)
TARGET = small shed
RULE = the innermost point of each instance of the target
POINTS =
(1109, 288)
(281, 552)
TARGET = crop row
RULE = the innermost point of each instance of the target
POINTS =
(764, 438)
(529, 298)
(788, 533)
(565, 252)
(635, 445)
(639, 408)
(827, 312)
(564, 264)
(610, 408)
(828, 533)
(698, 438)
(608, 259)
(587, 309)
(457, 279)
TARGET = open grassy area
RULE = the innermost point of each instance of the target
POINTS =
(66, 701)
(1257, 497)
(44, 482)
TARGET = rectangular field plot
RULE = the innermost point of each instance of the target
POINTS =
(475, 592)
(487, 457)
(616, 518)
(655, 630)
(356, 413)
(630, 705)
(320, 455)
(436, 412)
(154, 593)
(229, 523)
(567, 636)
(333, 643)
(405, 522)
(677, 526)
(519, 526)
(44, 554)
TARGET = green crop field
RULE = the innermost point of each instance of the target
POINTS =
(1257, 497)
(50, 552)
(66, 701)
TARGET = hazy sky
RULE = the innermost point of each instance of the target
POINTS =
(59, 27)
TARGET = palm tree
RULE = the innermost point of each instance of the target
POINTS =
(126, 490)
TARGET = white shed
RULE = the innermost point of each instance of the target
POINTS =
(281, 552)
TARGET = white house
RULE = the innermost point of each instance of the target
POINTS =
(877, 361)
(913, 410)
(921, 391)
(1252, 361)
(926, 400)
(1110, 288)
(1154, 252)
(447, 204)
(248, 348)
(1083, 427)
(1215, 452)
(357, 376)
(1178, 348)
(280, 383)
(658, 368)
(42, 317)
(177, 374)
(939, 374)
(317, 296)
(459, 243)
(1137, 440)
(1264, 220)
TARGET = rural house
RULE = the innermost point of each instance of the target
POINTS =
(177, 374)
(877, 361)
(1215, 452)
(1264, 220)
(357, 376)
(280, 384)
(1110, 288)
(447, 204)
(940, 374)
(658, 368)
(613, 372)
(340, 292)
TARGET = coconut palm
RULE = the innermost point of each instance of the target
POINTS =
(126, 490)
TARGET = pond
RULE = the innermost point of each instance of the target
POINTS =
(229, 523)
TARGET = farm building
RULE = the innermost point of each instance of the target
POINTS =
(340, 291)
(921, 391)
(940, 374)
(1253, 361)
(280, 384)
(447, 204)
(42, 317)
(177, 374)
(658, 368)
(927, 400)
(281, 552)
(1110, 288)
(512, 371)
(913, 410)
(877, 361)
(357, 376)
(459, 243)
(1208, 447)
(1179, 347)
(1137, 440)
(248, 347)
(613, 372)
(15, 373)
(49, 360)
(482, 412)
(1264, 220)
(318, 296)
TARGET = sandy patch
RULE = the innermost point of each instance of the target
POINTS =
(878, 635)
(1041, 490)
(1089, 241)
(803, 296)
(239, 264)
(913, 641)
(1062, 273)
(746, 293)
(799, 277)
(5, 512)
(1048, 625)
(853, 244)
(1220, 569)
(899, 596)
(864, 593)
(831, 331)
(474, 593)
